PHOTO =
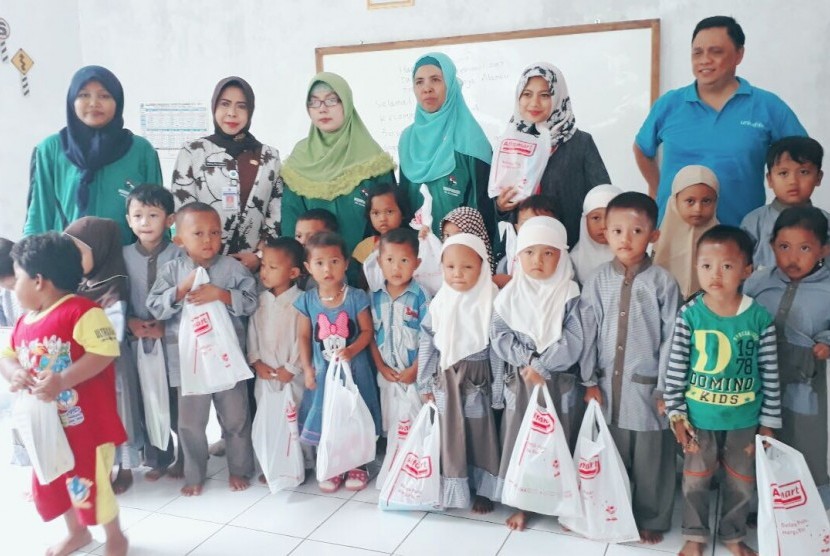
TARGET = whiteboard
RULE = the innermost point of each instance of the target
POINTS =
(612, 72)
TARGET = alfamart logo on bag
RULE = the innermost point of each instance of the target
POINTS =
(515, 146)
(589, 468)
(291, 412)
(788, 496)
(201, 324)
(419, 468)
(403, 428)
(543, 422)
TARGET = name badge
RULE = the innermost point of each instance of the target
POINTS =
(230, 198)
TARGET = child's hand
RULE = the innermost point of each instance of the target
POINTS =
(532, 376)
(283, 375)
(263, 371)
(154, 329)
(685, 434)
(389, 373)
(48, 386)
(408, 376)
(501, 280)
(21, 380)
(310, 380)
(661, 407)
(344, 354)
(429, 397)
(593, 393)
(137, 327)
(504, 201)
(423, 232)
(206, 293)
(184, 286)
(821, 351)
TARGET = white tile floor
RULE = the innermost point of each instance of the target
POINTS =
(159, 522)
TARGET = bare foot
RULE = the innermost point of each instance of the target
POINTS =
(647, 536)
(692, 548)
(517, 521)
(176, 471)
(739, 549)
(482, 505)
(262, 479)
(123, 481)
(116, 545)
(238, 483)
(217, 449)
(71, 543)
(155, 474)
(192, 490)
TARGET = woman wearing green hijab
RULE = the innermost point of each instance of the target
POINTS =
(445, 148)
(336, 164)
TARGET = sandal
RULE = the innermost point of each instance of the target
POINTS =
(331, 485)
(357, 479)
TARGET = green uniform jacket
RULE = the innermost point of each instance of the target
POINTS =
(54, 181)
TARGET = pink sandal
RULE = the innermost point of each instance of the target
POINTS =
(330, 485)
(357, 479)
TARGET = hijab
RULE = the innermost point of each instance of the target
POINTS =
(537, 307)
(471, 222)
(89, 148)
(561, 123)
(326, 165)
(461, 320)
(243, 141)
(427, 147)
(587, 253)
(106, 283)
(676, 248)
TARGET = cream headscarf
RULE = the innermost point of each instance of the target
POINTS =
(461, 320)
(587, 254)
(676, 249)
(537, 307)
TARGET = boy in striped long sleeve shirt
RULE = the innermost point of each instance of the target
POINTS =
(721, 388)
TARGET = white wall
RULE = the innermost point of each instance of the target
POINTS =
(176, 51)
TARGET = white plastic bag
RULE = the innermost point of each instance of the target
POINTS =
(405, 404)
(429, 273)
(414, 480)
(152, 375)
(372, 272)
(541, 476)
(276, 436)
(519, 162)
(507, 231)
(603, 484)
(347, 438)
(209, 353)
(41, 431)
(791, 516)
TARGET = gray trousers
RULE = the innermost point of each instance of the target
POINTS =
(232, 408)
(729, 449)
(649, 458)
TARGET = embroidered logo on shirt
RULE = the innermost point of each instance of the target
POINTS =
(79, 491)
(410, 313)
(757, 125)
(359, 201)
(452, 191)
(70, 414)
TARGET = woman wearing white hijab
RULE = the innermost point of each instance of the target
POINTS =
(592, 249)
(536, 330)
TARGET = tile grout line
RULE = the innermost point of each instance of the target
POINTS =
(423, 517)
(308, 537)
(504, 542)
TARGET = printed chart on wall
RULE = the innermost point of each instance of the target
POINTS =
(612, 72)
(167, 125)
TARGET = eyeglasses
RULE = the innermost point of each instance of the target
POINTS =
(317, 103)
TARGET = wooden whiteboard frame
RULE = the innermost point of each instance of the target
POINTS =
(654, 24)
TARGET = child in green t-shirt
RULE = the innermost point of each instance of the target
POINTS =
(721, 388)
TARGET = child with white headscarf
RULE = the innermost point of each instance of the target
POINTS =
(592, 249)
(456, 367)
(536, 330)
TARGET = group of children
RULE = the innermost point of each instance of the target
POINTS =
(678, 347)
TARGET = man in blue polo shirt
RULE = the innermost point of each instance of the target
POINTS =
(719, 121)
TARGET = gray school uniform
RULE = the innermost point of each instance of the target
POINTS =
(142, 269)
(802, 319)
(231, 405)
(628, 319)
(465, 394)
(518, 350)
(759, 224)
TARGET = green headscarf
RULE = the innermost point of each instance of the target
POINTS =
(427, 147)
(327, 165)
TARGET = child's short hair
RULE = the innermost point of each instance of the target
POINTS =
(724, 234)
(196, 206)
(290, 247)
(401, 236)
(538, 204)
(153, 195)
(733, 29)
(805, 218)
(385, 189)
(326, 239)
(637, 201)
(322, 215)
(800, 149)
(52, 255)
(6, 261)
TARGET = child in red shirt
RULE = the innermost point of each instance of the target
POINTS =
(63, 349)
